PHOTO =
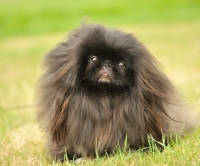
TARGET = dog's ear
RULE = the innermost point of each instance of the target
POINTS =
(60, 65)
(56, 86)
(154, 92)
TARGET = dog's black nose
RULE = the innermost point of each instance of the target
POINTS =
(107, 64)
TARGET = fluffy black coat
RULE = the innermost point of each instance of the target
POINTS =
(100, 87)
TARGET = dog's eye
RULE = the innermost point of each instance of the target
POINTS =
(122, 65)
(93, 58)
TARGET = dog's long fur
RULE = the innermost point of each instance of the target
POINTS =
(80, 119)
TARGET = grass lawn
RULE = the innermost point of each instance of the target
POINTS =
(36, 17)
(175, 45)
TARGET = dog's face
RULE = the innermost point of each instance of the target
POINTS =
(107, 60)
(104, 69)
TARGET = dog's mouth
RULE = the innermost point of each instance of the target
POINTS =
(104, 77)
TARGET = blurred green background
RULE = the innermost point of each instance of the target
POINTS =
(34, 17)
(30, 28)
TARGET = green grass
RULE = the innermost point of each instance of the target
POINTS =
(175, 45)
(31, 17)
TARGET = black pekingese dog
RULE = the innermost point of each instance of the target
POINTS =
(102, 87)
